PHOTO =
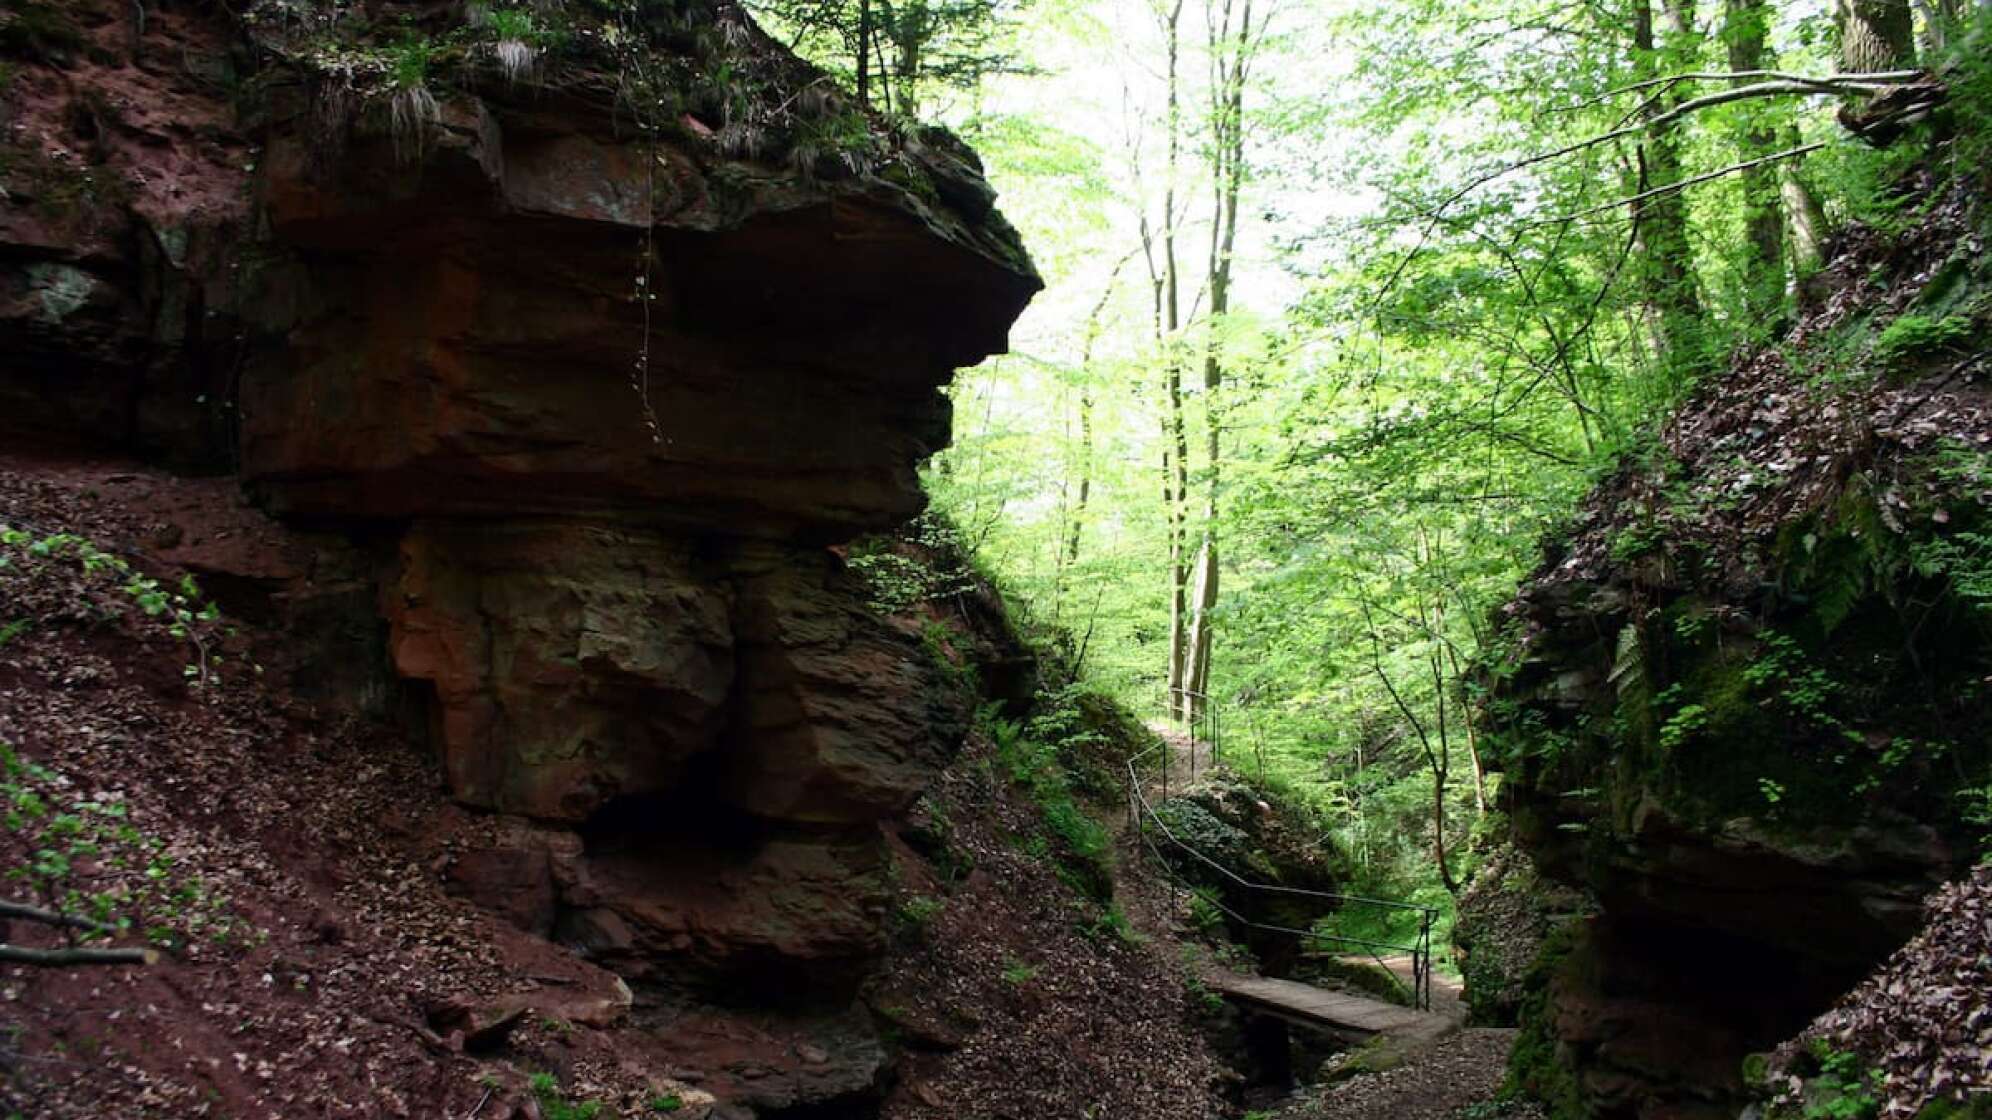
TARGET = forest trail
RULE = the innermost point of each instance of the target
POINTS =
(1188, 758)
(1448, 996)
(1453, 1078)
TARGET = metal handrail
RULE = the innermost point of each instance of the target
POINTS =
(1141, 811)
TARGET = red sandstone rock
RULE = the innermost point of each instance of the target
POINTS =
(633, 640)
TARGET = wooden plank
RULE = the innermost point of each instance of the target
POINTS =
(1338, 1011)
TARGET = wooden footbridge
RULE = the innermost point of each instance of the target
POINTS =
(1352, 1017)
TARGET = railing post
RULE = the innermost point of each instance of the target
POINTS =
(1425, 950)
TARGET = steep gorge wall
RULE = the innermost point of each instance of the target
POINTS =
(1746, 707)
(583, 537)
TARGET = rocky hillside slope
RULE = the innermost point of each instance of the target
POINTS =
(555, 347)
(1746, 705)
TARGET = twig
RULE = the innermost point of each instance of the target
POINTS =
(63, 958)
(29, 913)
(480, 1103)
(1876, 80)
(1670, 188)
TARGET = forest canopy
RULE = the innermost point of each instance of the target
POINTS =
(1348, 305)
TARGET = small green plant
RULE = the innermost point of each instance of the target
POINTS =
(666, 1102)
(1201, 997)
(1018, 973)
(1683, 726)
(555, 1104)
(1113, 926)
(180, 607)
(89, 863)
(1772, 789)
(1801, 685)
(1635, 541)
(408, 63)
(1976, 803)
(1033, 766)
(1205, 914)
(916, 914)
(1842, 1091)
(919, 564)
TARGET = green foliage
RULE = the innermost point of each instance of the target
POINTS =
(1201, 997)
(87, 860)
(178, 609)
(1113, 926)
(1687, 723)
(408, 64)
(667, 1102)
(1912, 337)
(1842, 1090)
(555, 1104)
(1969, 78)
(916, 915)
(1784, 672)
(1018, 973)
(1206, 913)
(915, 52)
(1032, 766)
(923, 562)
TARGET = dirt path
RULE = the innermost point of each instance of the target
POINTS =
(1448, 997)
(1458, 1073)
(1188, 760)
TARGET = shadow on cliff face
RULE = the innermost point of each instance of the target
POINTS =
(1744, 707)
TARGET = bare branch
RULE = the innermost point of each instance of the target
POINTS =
(25, 912)
(64, 958)
(1670, 188)
(1837, 82)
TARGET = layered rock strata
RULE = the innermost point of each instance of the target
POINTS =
(584, 404)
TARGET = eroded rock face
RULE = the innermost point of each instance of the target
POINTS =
(1744, 704)
(571, 662)
(593, 403)
(462, 334)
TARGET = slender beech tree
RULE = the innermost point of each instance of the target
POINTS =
(1165, 282)
(1232, 45)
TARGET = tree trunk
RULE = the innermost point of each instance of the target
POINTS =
(1661, 224)
(1807, 221)
(1472, 740)
(1075, 528)
(1745, 23)
(1176, 439)
(1228, 179)
(864, 51)
(1875, 35)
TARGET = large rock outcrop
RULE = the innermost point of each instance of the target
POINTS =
(579, 387)
(1746, 695)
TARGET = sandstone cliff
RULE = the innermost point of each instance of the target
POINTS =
(563, 377)
(1745, 709)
